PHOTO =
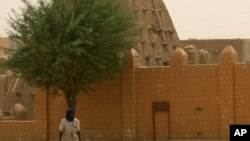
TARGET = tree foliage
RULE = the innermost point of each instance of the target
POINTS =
(70, 44)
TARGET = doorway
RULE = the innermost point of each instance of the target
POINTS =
(160, 116)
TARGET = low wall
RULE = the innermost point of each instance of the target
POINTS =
(36, 130)
(179, 102)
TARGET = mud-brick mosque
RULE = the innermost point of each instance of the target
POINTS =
(170, 90)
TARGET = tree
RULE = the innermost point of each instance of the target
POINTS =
(71, 44)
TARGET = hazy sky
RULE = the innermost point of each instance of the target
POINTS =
(210, 18)
(192, 18)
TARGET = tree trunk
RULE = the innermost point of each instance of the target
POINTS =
(70, 96)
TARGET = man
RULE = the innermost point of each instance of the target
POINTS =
(69, 128)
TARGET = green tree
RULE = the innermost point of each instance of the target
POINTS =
(71, 44)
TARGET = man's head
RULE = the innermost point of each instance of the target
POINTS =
(70, 114)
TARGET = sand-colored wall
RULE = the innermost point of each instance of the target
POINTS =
(186, 89)
(203, 101)
(6, 43)
(99, 113)
(35, 130)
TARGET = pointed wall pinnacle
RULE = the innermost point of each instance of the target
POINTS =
(179, 58)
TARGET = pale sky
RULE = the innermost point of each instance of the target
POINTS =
(200, 19)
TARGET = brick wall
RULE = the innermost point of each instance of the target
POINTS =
(187, 89)
(27, 130)
(203, 101)
(242, 95)
(99, 113)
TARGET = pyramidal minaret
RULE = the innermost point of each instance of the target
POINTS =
(159, 38)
